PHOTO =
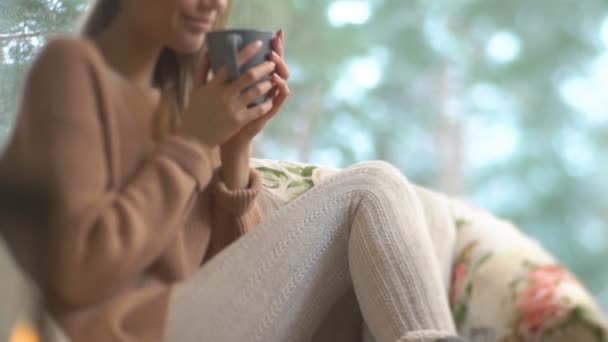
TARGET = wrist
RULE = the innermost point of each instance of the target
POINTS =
(236, 150)
(234, 170)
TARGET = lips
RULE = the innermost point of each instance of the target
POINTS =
(198, 24)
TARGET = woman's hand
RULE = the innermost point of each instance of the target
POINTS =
(218, 110)
(235, 153)
(279, 94)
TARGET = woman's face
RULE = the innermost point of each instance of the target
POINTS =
(178, 24)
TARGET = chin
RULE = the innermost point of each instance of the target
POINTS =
(189, 44)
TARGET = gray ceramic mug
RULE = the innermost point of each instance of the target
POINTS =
(225, 45)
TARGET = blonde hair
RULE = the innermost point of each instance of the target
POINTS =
(174, 74)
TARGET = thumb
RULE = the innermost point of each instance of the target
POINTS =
(202, 71)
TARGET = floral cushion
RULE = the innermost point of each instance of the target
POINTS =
(286, 180)
(505, 286)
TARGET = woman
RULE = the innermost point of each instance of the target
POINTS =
(147, 166)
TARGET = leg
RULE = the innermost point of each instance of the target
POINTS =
(437, 210)
(364, 226)
(285, 181)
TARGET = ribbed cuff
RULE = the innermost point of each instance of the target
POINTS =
(195, 158)
(237, 202)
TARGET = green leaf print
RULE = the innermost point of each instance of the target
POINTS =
(480, 261)
(296, 170)
(271, 184)
(306, 183)
(460, 309)
(276, 173)
(459, 312)
(307, 171)
(461, 223)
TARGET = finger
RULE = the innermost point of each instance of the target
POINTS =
(281, 84)
(276, 45)
(221, 77)
(202, 71)
(254, 127)
(274, 92)
(254, 93)
(258, 111)
(280, 42)
(282, 68)
(283, 94)
(253, 75)
(248, 52)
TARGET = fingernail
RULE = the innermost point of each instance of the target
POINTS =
(258, 43)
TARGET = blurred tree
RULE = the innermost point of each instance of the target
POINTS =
(24, 25)
(470, 100)
(497, 100)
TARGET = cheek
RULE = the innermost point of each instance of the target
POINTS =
(162, 22)
(156, 21)
(182, 39)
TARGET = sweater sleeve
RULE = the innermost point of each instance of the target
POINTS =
(235, 212)
(102, 235)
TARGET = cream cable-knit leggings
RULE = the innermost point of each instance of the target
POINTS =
(364, 227)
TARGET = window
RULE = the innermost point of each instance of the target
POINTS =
(505, 102)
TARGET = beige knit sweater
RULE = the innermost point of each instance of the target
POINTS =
(130, 216)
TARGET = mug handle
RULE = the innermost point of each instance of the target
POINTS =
(234, 41)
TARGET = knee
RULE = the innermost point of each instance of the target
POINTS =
(379, 175)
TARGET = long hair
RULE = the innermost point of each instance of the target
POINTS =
(174, 73)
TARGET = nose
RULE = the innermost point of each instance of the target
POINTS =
(213, 5)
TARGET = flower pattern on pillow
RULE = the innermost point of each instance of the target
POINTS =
(540, 301)
(547, 309)
(461, 288)
(290, 180)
